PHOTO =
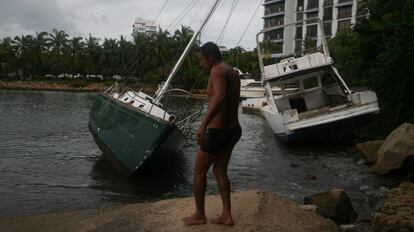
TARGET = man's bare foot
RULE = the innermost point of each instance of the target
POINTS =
(194, 220)
(223, 220)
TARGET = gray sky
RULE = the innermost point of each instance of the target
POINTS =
(112, 18)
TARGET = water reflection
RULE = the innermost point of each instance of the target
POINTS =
(161, 176)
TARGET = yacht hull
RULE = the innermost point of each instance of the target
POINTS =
(128, 136)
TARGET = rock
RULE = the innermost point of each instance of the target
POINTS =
(348, 228)
(397, 148)
(311, 177)
(310, 208)
(397, 212)
(334, 204)
(364, 188)
(361, 162)
(369, 149)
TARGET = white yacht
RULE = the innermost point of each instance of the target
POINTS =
(315, 102)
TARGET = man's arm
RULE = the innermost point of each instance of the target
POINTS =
(219, 84)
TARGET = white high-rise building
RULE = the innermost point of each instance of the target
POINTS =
(144, 26)
(336, 15)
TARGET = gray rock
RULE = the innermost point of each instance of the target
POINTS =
(396, 213)
(398, 147)
(348, 228)
(369, 149)
(334, 204)
(310, 208)
(361, 162)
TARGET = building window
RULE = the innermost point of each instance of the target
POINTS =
(327, 28)
(327, 2)
(344, 25)
(298, 33)
(299, 16)
(312, 15)
(269, 47)
(298, 45)
(274, 21)
(327, 14)
(344, 12)
(300, 5)
(275, 8)
(275, 35)
(312, 31)
(313, 4)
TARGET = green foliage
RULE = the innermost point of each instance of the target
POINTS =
(246, 61)
(378, 52)
(148, 58)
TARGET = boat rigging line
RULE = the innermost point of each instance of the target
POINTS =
(183, 13)
(248, 25)
(221, 35)
(159, 12)
(198, 12)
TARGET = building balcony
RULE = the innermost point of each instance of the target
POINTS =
(273, 14)
(328, 3)
(344, 3)
(276, 40)
(310, 10)
(268, 2)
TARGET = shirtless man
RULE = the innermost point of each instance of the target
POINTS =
(218, 133)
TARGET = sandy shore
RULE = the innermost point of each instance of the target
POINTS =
(55, 86)
(71, 87)
(252, 211)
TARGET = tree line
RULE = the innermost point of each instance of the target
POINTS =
(378, 52)
(148, 57)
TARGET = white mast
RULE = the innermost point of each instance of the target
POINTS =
(185, 53)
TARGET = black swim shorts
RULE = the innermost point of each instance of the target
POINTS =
(217, 140)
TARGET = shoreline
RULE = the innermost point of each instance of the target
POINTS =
(92, 87)
(252, 211)
(51, 86)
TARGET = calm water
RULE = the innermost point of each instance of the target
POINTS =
(50, 163)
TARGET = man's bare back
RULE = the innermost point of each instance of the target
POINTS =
(226, 116)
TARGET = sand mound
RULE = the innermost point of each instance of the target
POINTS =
(252, 211)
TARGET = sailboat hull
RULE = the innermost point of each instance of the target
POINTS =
(127, 136)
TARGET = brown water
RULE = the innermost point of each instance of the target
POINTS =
(50, 163)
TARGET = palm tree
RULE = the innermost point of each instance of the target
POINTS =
(58, 42)
(23, 46)
(39, 49)
(93, 53)
(110, 47)
(76, 47)
(7, 55)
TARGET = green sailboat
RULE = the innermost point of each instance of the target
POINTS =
(130, 126)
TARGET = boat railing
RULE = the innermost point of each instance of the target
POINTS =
(323, 41)
(184, 123)
(112, 89)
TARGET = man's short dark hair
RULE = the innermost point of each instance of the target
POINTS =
(210, 49)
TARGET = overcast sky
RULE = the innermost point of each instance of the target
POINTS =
(112, 18)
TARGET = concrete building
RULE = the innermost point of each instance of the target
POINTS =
(144, 26)
(337, 15)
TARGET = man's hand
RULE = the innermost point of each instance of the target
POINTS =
(200, 134)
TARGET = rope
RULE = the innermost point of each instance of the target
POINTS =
(198, 12)
(248, 25)
(159, 12)
(221, 35)
(184, 12)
